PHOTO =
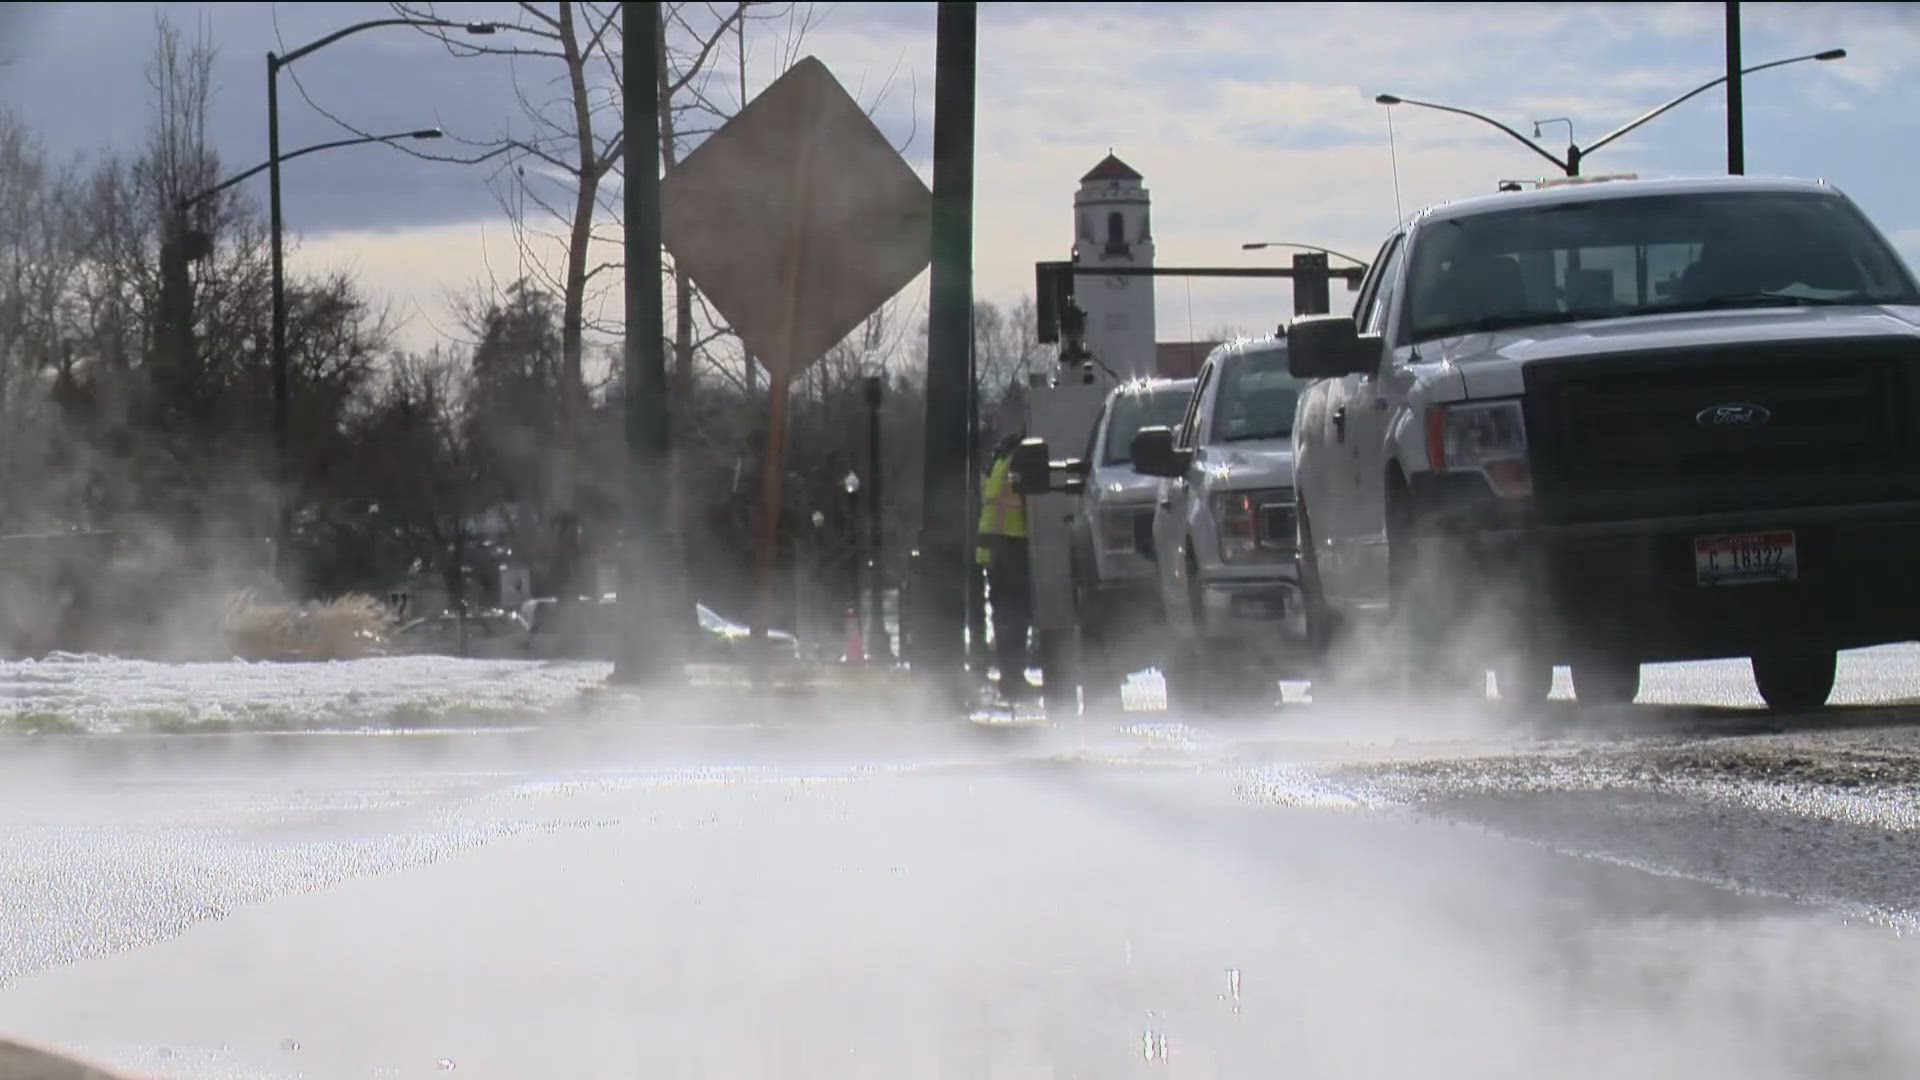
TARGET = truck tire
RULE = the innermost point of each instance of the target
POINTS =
(1423, 603)
(1328, 686)
(1606, 680)
(1323, 629)
(1099, 683)
(1795, 680)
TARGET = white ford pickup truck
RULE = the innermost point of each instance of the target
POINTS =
(1618, 423)
(1223, 530)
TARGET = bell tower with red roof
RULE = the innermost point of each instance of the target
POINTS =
(1112, 228)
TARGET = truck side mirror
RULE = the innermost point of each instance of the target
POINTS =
(1154, 453)
(1328, 347)
(1032, 472)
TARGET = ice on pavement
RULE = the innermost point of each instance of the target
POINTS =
(100, 695)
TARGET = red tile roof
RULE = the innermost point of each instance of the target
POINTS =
(1110, 168)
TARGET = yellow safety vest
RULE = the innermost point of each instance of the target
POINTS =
(1003, 512)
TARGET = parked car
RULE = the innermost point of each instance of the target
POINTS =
(1617, 423)
(590, 629)
(1223, 535)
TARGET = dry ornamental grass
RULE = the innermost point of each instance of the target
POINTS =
(345, 628)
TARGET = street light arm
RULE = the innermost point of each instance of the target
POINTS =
(1258, 244)
(320, 43)
(1830, 54)
(428, 133)
(1390, 99)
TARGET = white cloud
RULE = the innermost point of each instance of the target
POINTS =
(423, 273)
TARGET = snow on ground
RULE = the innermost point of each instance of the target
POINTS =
(98, 695)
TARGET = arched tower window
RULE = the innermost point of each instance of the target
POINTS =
(1116, 234)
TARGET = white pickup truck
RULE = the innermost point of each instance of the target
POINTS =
(1116, 603)
(1223, 534)
(1619, 423)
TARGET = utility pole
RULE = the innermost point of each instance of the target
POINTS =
(944, 526)
(649, 603)
(1736, 125)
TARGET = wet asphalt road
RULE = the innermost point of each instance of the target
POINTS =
(1687, 888)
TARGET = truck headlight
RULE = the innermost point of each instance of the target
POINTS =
(1488, 437)
(1255, 525)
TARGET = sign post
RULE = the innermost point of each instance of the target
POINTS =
(798, 220)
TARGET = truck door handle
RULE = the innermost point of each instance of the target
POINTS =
(1340, 424)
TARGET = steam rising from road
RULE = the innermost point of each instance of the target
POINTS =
(690, 885)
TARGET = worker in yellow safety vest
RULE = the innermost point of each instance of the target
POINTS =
(1002, 550)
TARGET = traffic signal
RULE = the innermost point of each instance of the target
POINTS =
(1310, 295)
(1052, 298)
(1073, 332)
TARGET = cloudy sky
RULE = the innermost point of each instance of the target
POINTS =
(1249, 121)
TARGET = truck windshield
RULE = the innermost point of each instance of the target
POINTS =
(1135, 409)
(1609, 258)
(1257, 398)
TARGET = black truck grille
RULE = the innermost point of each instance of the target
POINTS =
(1722, 429)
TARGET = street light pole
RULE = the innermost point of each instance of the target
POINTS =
(851, 484)
(1577, 154)
(282, 410)
(1736, 107)
(1258, 245)
(282, 382)
(1570, 166)
(237, 178)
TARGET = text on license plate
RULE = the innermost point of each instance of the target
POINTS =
(1746, 558)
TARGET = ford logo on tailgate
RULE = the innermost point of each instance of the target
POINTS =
(1736, 415)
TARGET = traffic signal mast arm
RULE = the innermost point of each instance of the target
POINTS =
(1053, 286)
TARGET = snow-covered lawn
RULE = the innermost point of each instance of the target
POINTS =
(93, 694)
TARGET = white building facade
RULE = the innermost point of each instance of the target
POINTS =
(1113, 228)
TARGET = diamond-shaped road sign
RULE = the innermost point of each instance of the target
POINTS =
(797, 219)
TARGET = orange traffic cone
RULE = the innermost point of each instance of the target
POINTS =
(856, 642)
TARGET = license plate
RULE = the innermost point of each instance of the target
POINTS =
(1746, 558)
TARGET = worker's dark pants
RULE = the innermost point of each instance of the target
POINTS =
(1010, 591)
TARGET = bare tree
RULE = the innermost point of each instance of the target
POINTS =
(551, 174)
(38, 258)
(418, 465)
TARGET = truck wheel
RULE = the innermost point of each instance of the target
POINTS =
(1424, 603)
(1606, 681)
(1322, 627)
(1795, 680)
(1099, 683)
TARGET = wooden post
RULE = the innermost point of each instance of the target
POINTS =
(773, 472)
